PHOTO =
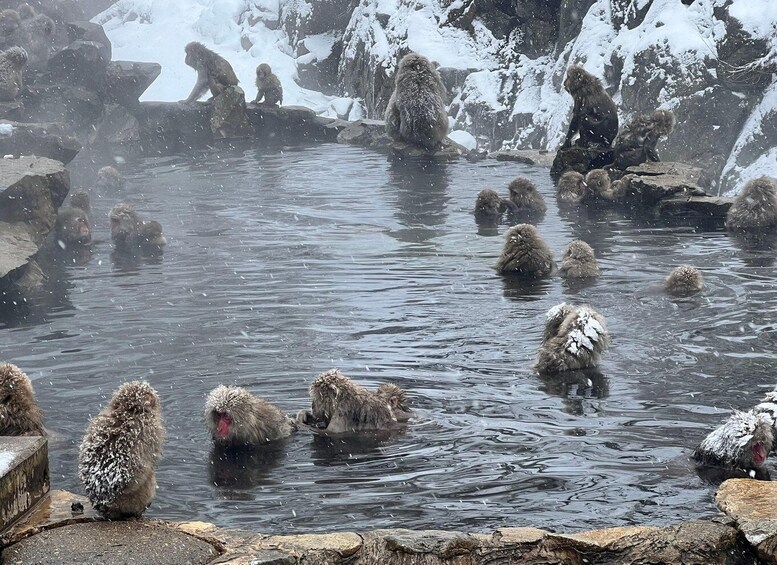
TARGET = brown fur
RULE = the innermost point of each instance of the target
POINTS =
(525, 253)
(110, 178)
(488, 206)
(268, 86)
(72, 227)
(755, 207)
(10, 21)
(19, 412)
(397, 400)
(600, 186)
(525, 196)
(579, 261)
(150, 235)
(594, 115)
(572, 188)
(339, 405)
(251, 420)
(213, 71)
(118, 456)
(684, 280)
(81, 201)
(416, 110)
(574, 338)
(12, 63)
(637, 142)
(128, 231)
(26, 12)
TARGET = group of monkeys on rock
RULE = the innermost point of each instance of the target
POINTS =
(25, 39)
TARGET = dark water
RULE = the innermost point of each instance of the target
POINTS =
(284, 264)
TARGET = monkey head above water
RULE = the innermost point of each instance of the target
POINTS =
(110, 178)
(235, 417)
(574, 338)
(579, 261)
(488, 206)
(416, 110)
(72, 225)
(338, 405)
(525, 253)
(594, 115)
(755, 207)
(524, 197)
(118, 456)
(599, 185)
(19, 412)
(129, 232)
(572, 188)
(684, 280)
(741, 442)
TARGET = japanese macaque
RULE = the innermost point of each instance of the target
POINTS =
(572, 188)
(19, 412)
(128, 231)
(579, 261)
(72, 225)
(416, 110)
(119, 453)
(741, 442)
(268, 86)
(594, 115)
(213, 71)
(684, 280)
(110, 178)
(338, 405)
(489, 207)
(755, 207)
(37, 37)
(524, 198)
(12, 62)
(525, 253)
(636, 143)
(768, 406)
(600, 186)
(235, 417)
(575, 337)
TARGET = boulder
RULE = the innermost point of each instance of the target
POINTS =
(365, 133)
(168, 127)
(119, 127)
(526, 156)
(449, 151)
(228, 117)
(88, 31)
(650, 183)
(286, 124)
(751, 504)
(74, 105)
(128, 80)
(44, 140)
(81, 63)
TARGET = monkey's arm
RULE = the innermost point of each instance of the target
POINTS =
(574, 125)
(651, 140)
(199, 87)
(392, 119)
(259, 95)
(508, 205)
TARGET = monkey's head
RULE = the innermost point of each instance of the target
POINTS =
(45, 24)
(663, 121)
(80, 200)
(522, 191)
(762, 188)
(151, 235)
(9, 21)
(580, 82)
(109, 177)
(26, 12)
(263, 70)
(684, 279)
(124, 222)
(134, 398)
(228, 410)
(756, 441)
(17, 56)
(415, 63)
(488, 202)
(396, 399)
(195, 52)
(15, 386)
(554, 317)
(597, 181)
(524, 236)
(326, 391)
(72, 227)
(579, 251)
(573, 182)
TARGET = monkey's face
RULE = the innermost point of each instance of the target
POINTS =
(124, 225)
(223, 423)
(77, 230)
(573, 80)
(8, 25)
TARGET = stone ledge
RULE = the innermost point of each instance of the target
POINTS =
(24, 475)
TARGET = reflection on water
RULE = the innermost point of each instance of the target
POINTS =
(284, 264)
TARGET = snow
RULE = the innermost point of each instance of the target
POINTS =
(463, 138)
(6, 458)
(757, 17)
(6, 130)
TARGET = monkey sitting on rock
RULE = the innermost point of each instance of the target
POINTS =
(235, 417)
(594, 115)
(213, 71)
(118, 456)
(755, 207)
(416, 110)
(12, 63)
(268, 87)
(525, 253)
(19, 412)
(574, 338)
(338, 405)
(636, 143)
(129, 232)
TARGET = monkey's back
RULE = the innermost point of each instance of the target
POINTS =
(419, 99)
(755, 207)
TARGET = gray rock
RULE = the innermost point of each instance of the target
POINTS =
(76, 106)
(45, 140)
(286, 124)
(365, 133)
(712, 207)
(128, 80)
(88, 31)
(81, 63)
(167, 127)
(119, 127)
(18, 245)
(525, 156)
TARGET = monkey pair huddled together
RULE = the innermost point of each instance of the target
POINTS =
(236, 418)
(214, 73)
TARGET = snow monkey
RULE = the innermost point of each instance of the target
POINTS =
(579, 261)
(636, 143)
(10, 22)
(755, 207)
(525, 198)
(572, 188)
(110, 178)
(72, 225)
(338, 405)
(19, 412)
(600, 186)
(575, 337)
(594, 115)
(741, 442)
(235, 417)
(268, 86)
(12, 62)
(416, 110)
(120, 450)
(488, 206)
(213, 71)
(525, 253)
(684, 280)
(128, 231)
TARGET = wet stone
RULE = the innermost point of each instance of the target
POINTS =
(753, 505)
(24, 475)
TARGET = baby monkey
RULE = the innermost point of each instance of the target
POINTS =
(268, 86)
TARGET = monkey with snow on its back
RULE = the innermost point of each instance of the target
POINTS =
(235, 417)
(268, 86)
(19, 412)
(416, 110)
(118, 456)
(12, 62)
(575, 337)
(636, 143)
(129, 232)
(213, 71)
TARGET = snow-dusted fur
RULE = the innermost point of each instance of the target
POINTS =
(120, 450)
(525, 253)
(755, 207)
(19, 412)
(579, 261)
(732, 443)
(525, 196)
(575, 337)
(129, 231)
(636, 143)
(572, 188)
(768, 406)
(110, 178)
(254, 420)
(684, 279)
(341, 405)
(594, 115)
(416, 110)
(12, 62)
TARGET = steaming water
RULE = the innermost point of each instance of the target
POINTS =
(283, 264)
